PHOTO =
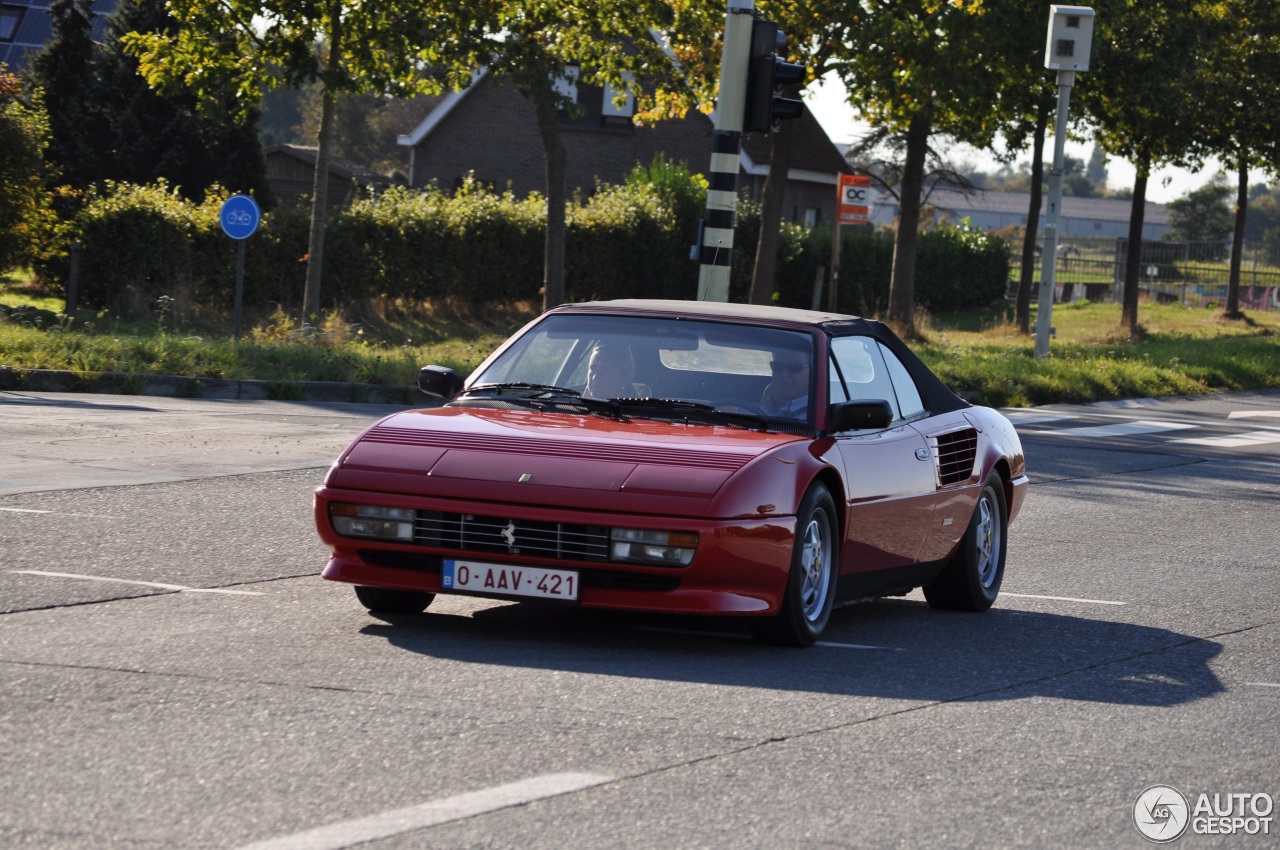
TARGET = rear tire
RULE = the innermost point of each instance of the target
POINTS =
(811, 581)
(971, 579)
(386, 600)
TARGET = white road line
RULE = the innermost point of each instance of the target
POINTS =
(856, 646)
(1030, 418)
(1249, 414)
(1248, 438)
(1063, 599)
(24, 511)
(1123, 429)
(1263, 684)
(178, 587)
(337, 836)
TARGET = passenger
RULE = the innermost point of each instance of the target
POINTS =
(609, 372)
(787, 397)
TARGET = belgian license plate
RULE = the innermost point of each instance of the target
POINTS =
(506, 580)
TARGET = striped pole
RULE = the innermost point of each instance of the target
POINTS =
(716, 250)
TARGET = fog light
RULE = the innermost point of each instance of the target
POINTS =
(640, 545)
(373, 521)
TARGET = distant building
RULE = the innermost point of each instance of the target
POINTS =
(1081, 218)
(490, 130)
(25, 25)
(291, 171)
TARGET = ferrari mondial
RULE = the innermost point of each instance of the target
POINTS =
(682, 457)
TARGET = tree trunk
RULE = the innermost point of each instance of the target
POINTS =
(1022, 308)
(1237, 241)
(320, 186)
(1133, 259)
(554, 157)
(775, 188)
(903, 280)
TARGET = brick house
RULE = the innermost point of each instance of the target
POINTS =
(490, 130)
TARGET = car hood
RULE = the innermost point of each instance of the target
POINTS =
(552, 459)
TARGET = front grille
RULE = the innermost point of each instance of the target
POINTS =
(956, 453)
(472, 533)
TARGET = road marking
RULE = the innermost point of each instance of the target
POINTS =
(856, 646)
(24, 511)
(1249, 438)
(337, 836)
(1123, 429)
(1064, 599)
(1030, 418)
(1263, 684)
(177, 587)
(1249, 414)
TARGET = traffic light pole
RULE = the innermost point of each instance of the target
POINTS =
(715, 249)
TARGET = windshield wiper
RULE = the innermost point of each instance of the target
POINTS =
(664, 403)
(523, 385)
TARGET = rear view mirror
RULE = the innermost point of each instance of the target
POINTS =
(440, 381)
(859, 416)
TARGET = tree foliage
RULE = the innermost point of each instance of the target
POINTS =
(1202, 215)
(24, 203)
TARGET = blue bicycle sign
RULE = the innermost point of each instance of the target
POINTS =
(239, 216)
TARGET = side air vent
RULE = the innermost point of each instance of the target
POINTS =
(955, 453)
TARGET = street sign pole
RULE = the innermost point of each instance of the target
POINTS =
(239, 218)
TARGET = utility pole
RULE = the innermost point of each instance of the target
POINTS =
(1067, 51)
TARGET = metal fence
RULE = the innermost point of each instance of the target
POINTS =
(1191, 273)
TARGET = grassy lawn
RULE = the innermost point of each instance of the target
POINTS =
(1182, 350)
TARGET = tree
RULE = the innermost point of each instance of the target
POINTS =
(24, 135)
(1138, 92)
(190, 143)
(64, 71)
(917, 67)
(253, 46)
(1235, 93)
(1202, 215)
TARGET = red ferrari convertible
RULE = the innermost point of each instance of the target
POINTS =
(687, 457)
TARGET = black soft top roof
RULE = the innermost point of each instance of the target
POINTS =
(937, 396)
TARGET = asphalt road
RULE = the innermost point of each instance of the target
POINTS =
(173, 673)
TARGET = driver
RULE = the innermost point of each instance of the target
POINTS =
(609, 372)
(787, 397)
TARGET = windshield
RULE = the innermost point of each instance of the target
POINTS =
(653, 366)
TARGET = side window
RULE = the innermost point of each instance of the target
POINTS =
(837, 392)
(908, 395)
(865, 375)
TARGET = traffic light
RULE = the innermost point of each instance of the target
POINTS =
(767, 75)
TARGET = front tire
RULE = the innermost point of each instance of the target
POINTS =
(811, 581)
(384, 600)
(971, 579)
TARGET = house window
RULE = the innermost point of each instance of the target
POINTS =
(810, 217)
(610, 107)
(567, 85)
(9, 20)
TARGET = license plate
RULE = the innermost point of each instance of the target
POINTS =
(506, 580)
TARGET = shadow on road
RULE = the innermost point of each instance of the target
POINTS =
(921, 654)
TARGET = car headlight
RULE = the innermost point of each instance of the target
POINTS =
(375, 521)
(668, 548)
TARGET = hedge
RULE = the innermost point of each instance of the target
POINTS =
(634, 240)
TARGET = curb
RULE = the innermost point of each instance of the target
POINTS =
(124, 383)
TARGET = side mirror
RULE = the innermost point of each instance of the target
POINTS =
(440, 381)
(859, 416)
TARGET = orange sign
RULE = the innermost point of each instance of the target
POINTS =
(853, 206)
